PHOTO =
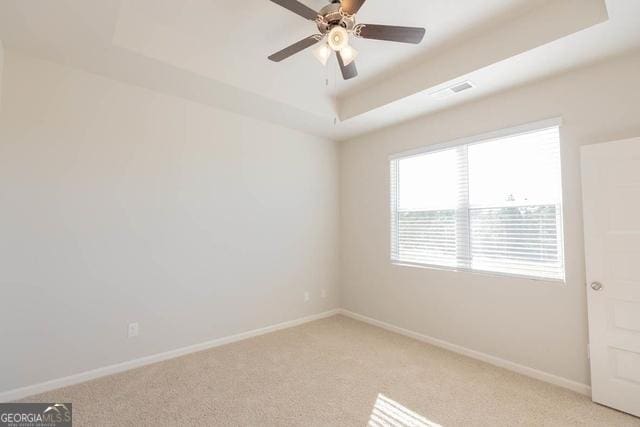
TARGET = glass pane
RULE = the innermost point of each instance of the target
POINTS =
(520, 240)
(517, 170)
(427, 237)
(428, 181)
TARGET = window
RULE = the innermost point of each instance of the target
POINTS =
(490, 204)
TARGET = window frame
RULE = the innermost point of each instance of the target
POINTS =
(468, 141)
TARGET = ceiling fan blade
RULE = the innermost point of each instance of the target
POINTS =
(295, 48)
(392, 33)
(297, 8)
(348, 71)
(352, 6)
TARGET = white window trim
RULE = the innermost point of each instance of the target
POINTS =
(470, 140)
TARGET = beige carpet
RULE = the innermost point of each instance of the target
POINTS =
(333, 372)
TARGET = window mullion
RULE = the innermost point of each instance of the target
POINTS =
(463, 223)
(395, 186)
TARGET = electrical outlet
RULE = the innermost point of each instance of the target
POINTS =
(306, 297)
(134, 329)
(323, 293)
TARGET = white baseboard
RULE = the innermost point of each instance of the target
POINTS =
(23, 392)
(493, 360)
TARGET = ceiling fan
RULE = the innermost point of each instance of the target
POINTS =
(336, 22)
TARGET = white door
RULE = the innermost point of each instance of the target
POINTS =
(611, 203)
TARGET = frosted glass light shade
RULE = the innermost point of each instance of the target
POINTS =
(322, 53)
(348, 54)
(338, 38)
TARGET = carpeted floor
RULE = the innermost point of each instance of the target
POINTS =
(332, 372)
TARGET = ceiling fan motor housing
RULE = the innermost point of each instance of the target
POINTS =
(331, 16)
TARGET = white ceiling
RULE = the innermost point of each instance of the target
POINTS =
(215, 52)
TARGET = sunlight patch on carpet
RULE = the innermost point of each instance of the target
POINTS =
(389, 413)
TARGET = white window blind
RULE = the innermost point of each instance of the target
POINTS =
(493, 205)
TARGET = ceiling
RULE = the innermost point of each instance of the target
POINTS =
(215, 53)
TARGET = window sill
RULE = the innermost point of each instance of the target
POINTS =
(550, 280)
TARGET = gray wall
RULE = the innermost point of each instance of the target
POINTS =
(120, 204)
(537, 324)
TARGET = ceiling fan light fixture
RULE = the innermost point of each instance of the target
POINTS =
(322, 53)
(338, 38)
(336, 22)
(348, 54)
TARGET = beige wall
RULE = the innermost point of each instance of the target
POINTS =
(537, 324)
(120, 204)
(1, 68)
